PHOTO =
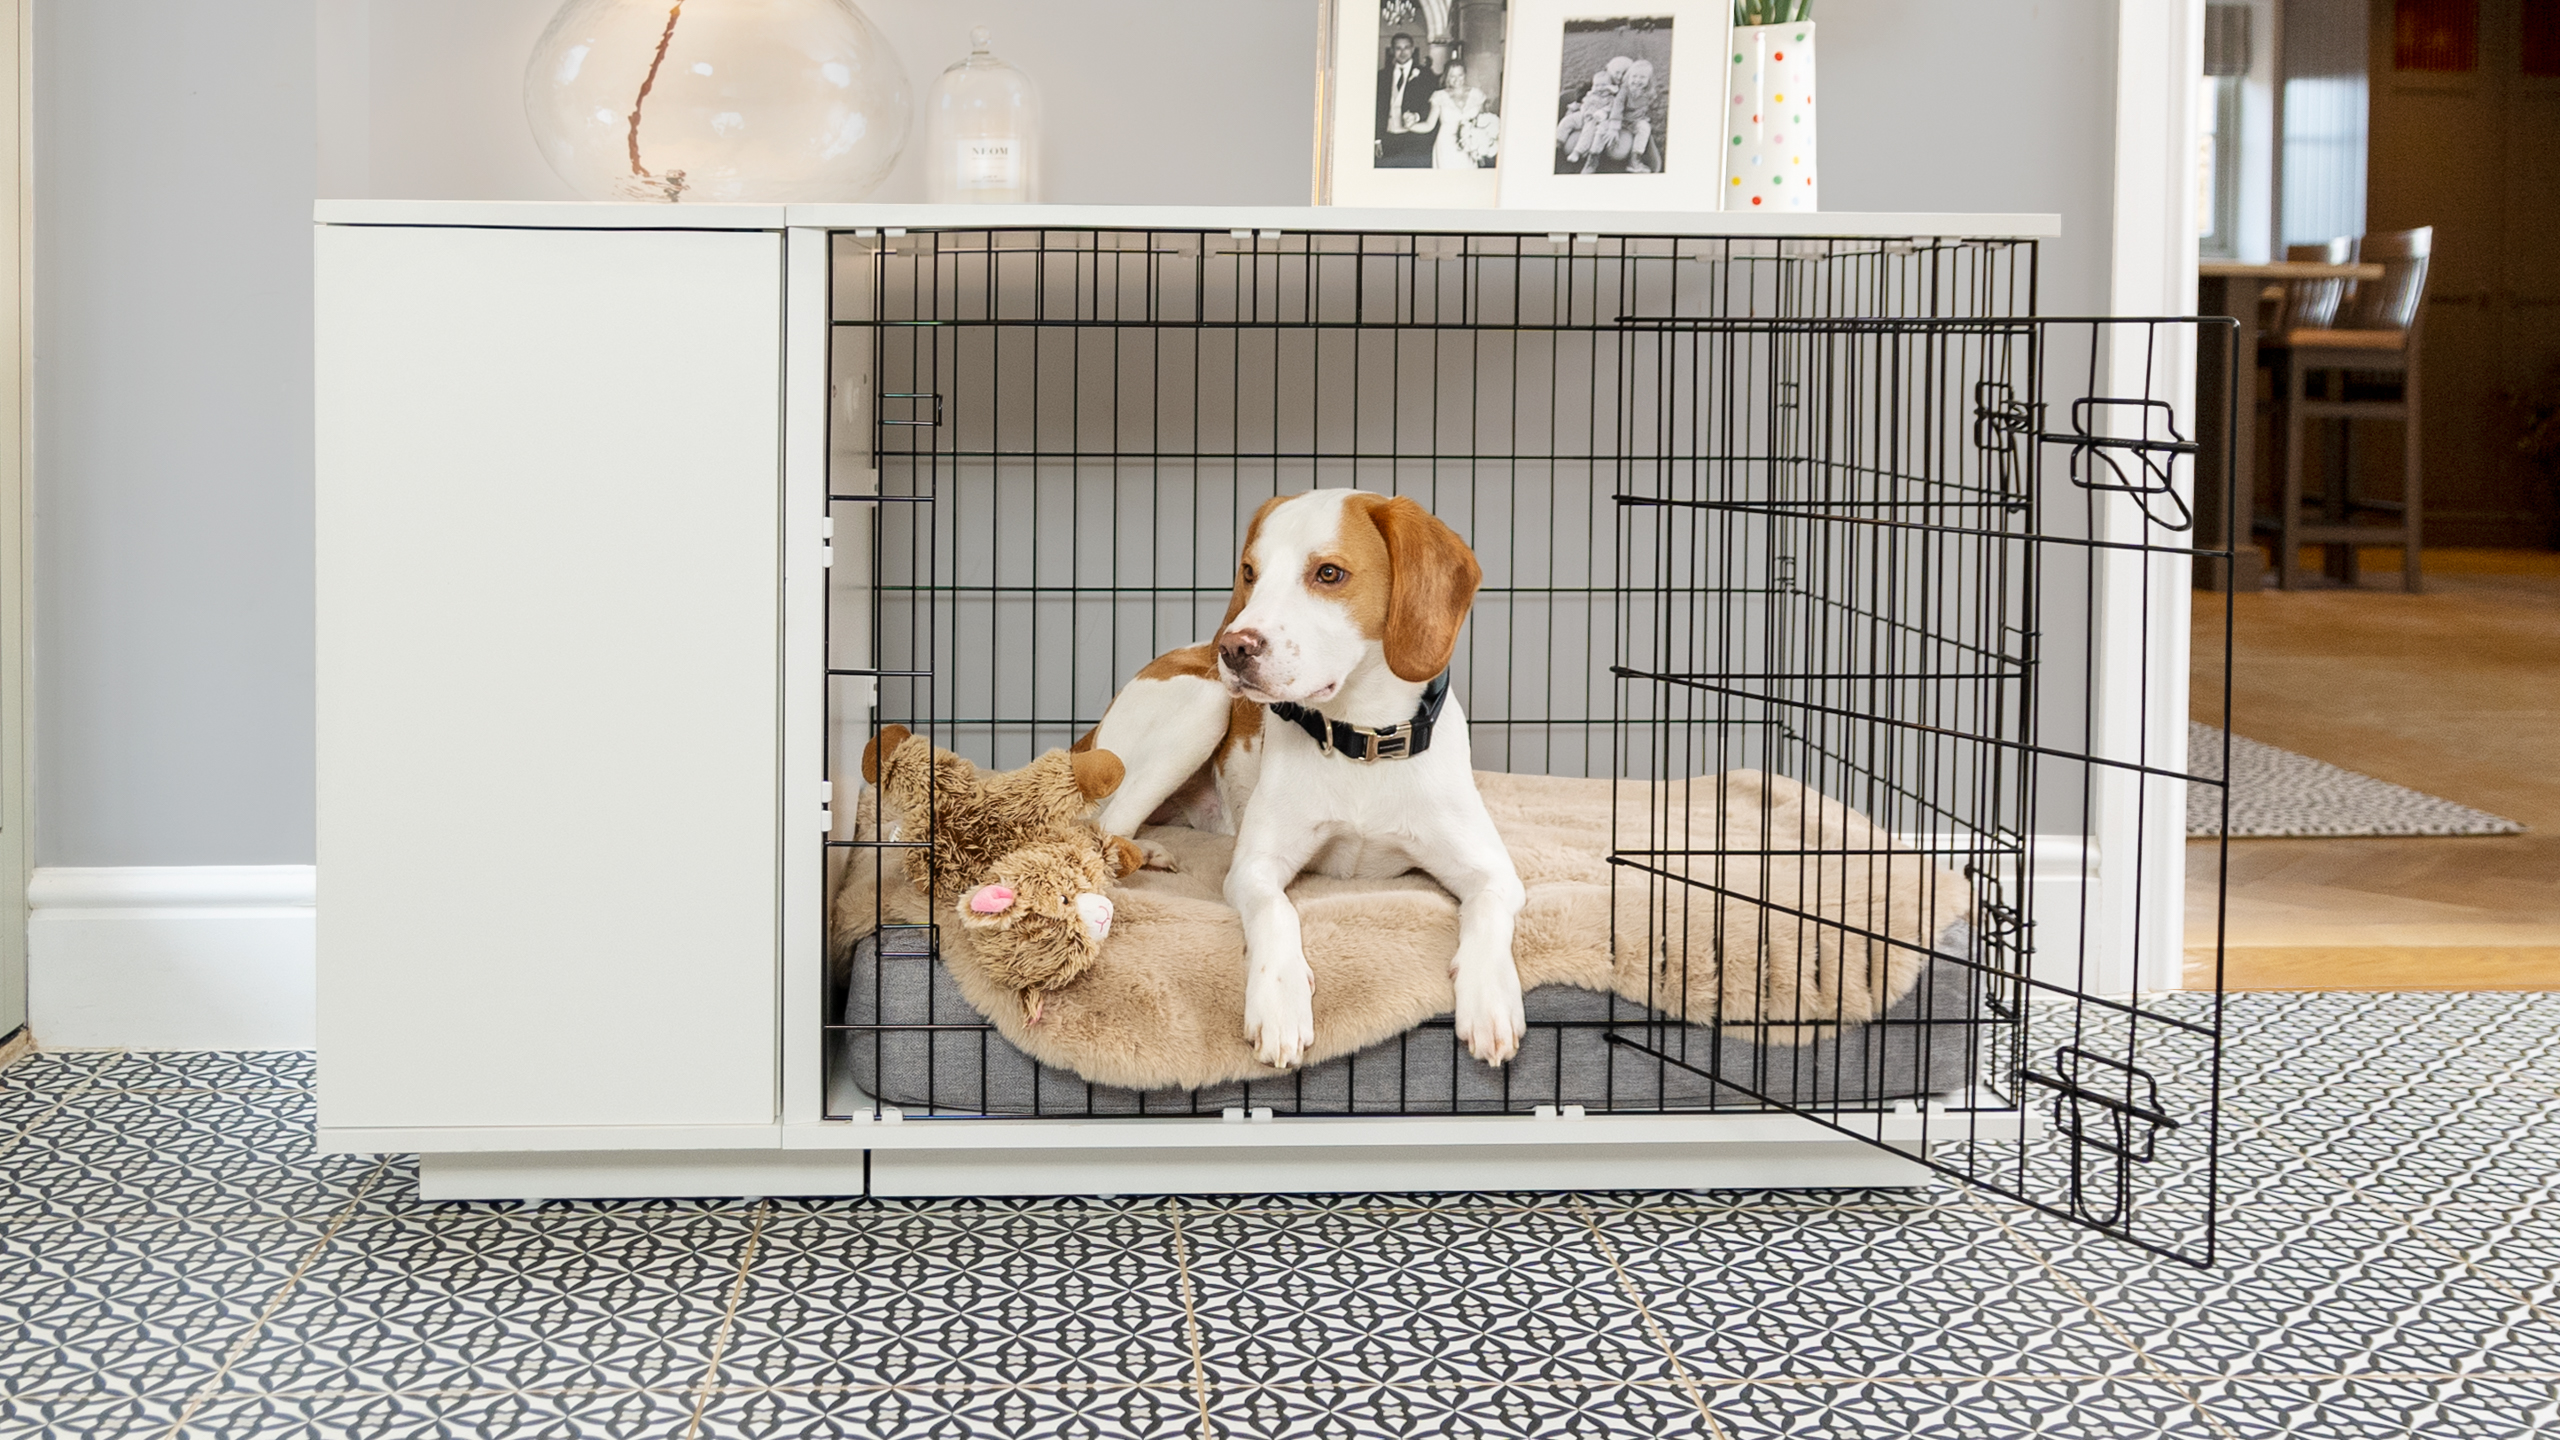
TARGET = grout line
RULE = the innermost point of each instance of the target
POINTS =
(1191, 1321)
(704, 1388)
(2124, 1337)
(1679, 1367)
(249, 1333)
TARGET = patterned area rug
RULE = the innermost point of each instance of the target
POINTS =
(2279, 793)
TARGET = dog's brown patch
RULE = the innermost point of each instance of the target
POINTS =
(1244, 556)
(1244, 727)
(1368, 589)
(1198, 662)
(1434, 581)
(1125, 856)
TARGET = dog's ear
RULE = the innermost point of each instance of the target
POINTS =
(1435, 579)
(1244, 592)
(878, 748)
(1097, 772)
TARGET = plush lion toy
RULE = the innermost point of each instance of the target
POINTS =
(1039, 920)
(973, 818)
(1015, 852)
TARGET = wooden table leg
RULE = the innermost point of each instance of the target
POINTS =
(2226, 434)
(2249, 570)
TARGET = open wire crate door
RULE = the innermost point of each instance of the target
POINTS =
(1912, 575)
(1730, 519)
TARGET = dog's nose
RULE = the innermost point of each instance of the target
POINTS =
(1240, 648)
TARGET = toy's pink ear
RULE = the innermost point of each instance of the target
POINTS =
(991, 899)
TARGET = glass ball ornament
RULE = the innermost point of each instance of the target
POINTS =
(717, 100)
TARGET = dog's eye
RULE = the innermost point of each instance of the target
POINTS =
(1248, 574)
(1329, 575)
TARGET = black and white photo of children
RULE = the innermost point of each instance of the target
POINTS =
(1613, 96)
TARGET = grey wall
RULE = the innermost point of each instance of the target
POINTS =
(1983, 105)
(173, 174)
(179, 146)
(1193, 102)
(1986, 105)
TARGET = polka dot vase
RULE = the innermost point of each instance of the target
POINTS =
(1769, 117)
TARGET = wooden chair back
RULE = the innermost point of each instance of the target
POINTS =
(2314, 304)
(2390, 303)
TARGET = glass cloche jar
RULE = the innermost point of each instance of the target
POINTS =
(730, 100)
(982, 132)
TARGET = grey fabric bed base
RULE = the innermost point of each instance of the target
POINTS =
(1927, 1044)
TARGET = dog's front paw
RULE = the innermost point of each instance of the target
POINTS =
(1491, 1020)
(1280, 1013)
(1156, 857)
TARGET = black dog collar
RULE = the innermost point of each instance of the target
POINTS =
(1359, 742)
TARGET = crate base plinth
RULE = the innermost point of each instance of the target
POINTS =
(1746, 1152)
(1838, 1163)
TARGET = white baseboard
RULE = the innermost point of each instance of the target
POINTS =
(172, 957)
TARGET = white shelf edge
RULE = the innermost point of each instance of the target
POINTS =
(567, 214)
(550, 214)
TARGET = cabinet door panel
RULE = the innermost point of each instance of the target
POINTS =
(549, 627)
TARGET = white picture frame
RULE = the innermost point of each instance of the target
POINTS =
(1351, 166)
(1674, 49)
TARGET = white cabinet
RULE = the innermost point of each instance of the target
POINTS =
(549, 508)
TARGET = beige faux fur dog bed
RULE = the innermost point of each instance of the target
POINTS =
(1164, 1005)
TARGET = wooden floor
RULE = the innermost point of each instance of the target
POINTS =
(2455, 692)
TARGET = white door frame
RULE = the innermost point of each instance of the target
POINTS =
(2152, 271)
(17, 510)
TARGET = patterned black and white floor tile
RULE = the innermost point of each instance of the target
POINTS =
(2013, 1408)
(177, 1261)
(1431, 1298)
(1600, 1410)
(2333, 1289)
(1912, 1295)
(960, 1301)
(201, 1153)
(139, 1308)
(508, 1301)
(573, 1414)
(2351, 1407)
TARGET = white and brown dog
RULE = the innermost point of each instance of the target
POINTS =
(1346, 608)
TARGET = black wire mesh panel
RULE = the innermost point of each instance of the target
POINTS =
(1903, 578)
(1776, 506)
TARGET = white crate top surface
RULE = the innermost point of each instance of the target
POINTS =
(1284, 219)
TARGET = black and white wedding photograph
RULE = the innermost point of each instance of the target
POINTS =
(1417, 86)
(1613, 94)
(1439, 86)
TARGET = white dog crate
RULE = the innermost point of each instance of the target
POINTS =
(635, 522)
